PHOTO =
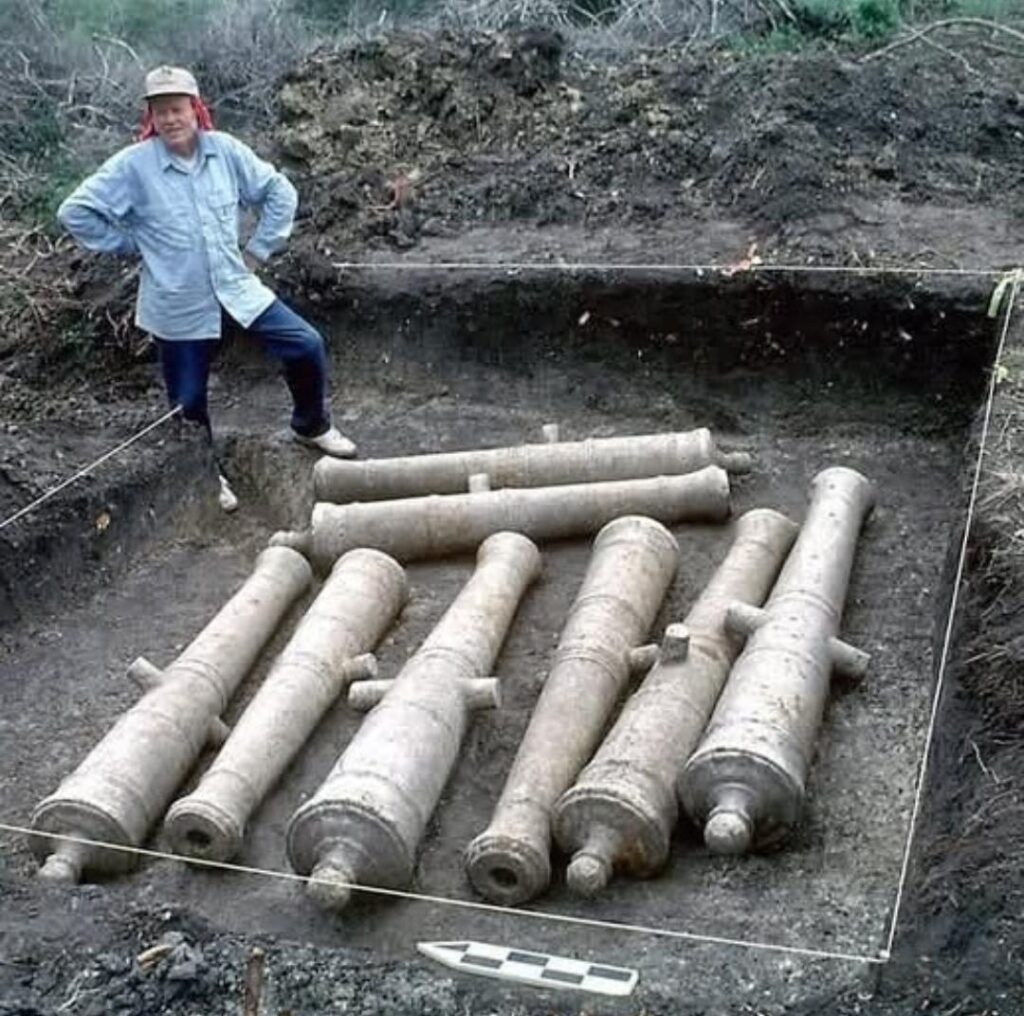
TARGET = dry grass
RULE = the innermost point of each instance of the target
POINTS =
(239, 51)
(1001, 503)
(618, 24)
(1001, 491)
(67, 97)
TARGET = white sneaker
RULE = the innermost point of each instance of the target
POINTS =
(226, 497)
(331, 442)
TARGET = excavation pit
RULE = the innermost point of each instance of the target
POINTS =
(802, 370)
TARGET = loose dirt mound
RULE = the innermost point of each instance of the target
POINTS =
(418, 135)
(431, 135)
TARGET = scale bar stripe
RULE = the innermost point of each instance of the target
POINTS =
(481, 961)
(611, 973)
(558, 975)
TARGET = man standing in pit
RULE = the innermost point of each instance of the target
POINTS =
(173, 198)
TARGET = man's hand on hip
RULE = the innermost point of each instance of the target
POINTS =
(251, 262)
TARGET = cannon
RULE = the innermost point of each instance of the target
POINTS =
(437, 525)
(633, 562)
(330, 649)
(745, 782)
(122, 787)
(365, 822)
(527, 465)
(620, 813)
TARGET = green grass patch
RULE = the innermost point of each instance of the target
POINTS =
(865, 21)
(859, 19)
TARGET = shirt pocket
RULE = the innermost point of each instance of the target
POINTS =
(226, 214)
(222, 203)
(222, 199)
(217, 194)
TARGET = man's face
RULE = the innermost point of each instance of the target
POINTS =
(175, 122)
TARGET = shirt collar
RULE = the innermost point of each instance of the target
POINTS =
(206, 149)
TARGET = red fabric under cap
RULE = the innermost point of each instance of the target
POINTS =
(147, 129)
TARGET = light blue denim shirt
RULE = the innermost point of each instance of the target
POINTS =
(184, 224)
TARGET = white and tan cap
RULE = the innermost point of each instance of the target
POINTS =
(170, 81)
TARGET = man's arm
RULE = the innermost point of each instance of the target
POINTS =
(262, 186)
(96, 212)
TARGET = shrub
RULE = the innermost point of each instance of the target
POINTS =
(873, 19)
(869, 19)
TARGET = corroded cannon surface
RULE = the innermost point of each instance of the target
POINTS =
(329, 650)
(620, 813)
(365, 822)
(434, 526)
(632, 565)
(527, 465)
(122, 787)
(745, 783)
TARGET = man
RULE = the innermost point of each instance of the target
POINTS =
(173, 198)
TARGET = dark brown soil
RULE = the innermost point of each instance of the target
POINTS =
(457, 133)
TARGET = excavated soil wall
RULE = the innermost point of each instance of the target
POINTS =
(884, 375)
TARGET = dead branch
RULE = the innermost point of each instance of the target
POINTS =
(991, 47)
(114, 41)
(104, 61)
(786, 10)
(920, 33)
(953, 54)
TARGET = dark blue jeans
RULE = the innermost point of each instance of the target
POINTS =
(285, 336)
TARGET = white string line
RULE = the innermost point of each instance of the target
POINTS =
(611, 266)
(948, 636)
(89, 468)
(539, 915)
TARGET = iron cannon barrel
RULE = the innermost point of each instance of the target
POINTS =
(438, 525)
(621, 810)
(745, 782)
(526, 465)
(365, 822)
(120, 790)
(632, 565)
(357, 604)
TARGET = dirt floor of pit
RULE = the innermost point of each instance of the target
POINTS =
(831, 888)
